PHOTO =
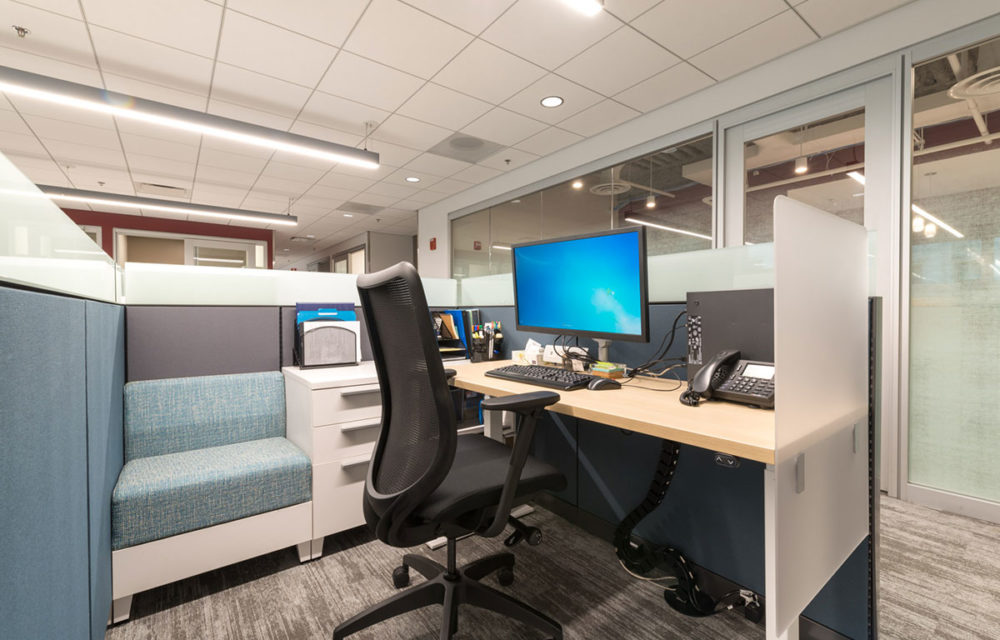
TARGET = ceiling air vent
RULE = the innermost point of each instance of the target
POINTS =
(609, 188)
(461, 146)
(984, 83)
(161, 190)
(360, 207)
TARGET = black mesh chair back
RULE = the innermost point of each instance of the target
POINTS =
(416, 445)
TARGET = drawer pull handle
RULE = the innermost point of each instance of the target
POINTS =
(347, 428)
(356, 461)
(373, 388)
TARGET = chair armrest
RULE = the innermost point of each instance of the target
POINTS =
(529, 406)
(521, 402)
(449, 374)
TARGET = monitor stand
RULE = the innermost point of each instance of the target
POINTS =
(602, 348)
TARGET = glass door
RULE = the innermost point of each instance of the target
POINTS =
(836, 154)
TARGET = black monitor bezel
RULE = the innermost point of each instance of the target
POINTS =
(643, 287)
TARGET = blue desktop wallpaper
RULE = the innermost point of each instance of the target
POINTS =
(590, 284)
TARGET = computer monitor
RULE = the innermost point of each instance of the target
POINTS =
(588, 286)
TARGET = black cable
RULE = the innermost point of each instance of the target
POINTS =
(661, 351)
(639, 557)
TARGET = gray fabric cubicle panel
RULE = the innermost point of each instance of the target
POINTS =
(44, 565)
(105, 382)
(288, 336)
(176, 342)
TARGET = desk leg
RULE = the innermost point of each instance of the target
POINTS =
(771, 561)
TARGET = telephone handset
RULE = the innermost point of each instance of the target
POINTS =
(727, 377)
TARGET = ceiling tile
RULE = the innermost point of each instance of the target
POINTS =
(160, 148)
(280, 187)
(488, 73)
(52, 36)
(576, 98)
(435, 165)
(158, 133)
(156, 93)
(327, 21)
(264, 93)
(273, 51)
(399, 177)
(48, 129)
(391, 190)
(354, 184)
(266, 202)
(91, 177)
(687, 27)
(10, 122)
(400, 36)
(503, 126)
(220, 177)
(285, 171)
(22, 143)
(161, 167)
(190, 25)
(444, 107)
(136, 58)
(618, 62)
(628, 10)
(225, 158)
(665, 87)
(373, 175)
(448, 186)
(476, 174)
(331, 194)
(368, 82)
(246, 114)
(599, 117)
(416, 204)
(340, 114)
(781, 34)
(390, 155)
(548, 141)
(471, 16)
(216, 195)
(516, 157)
(325, 133)
(374, 199)
(826, 16)
(52, 177)
(83, 72)
(408, 132)
(294, 163)
(69, 8)
(548, 33)
(71, 153)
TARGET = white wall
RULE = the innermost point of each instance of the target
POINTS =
(386, 249)
(890, 32)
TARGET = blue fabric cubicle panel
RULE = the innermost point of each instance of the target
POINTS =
(44, 563)
(176, 342)
(105, 381)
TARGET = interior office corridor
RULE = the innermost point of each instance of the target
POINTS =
(940, 578)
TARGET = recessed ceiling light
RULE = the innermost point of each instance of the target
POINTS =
(348, 215)
(578, 184)
(412, 179)
(552, 102)
(586, 7)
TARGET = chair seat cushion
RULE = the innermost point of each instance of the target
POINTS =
(161, 496)
(476, 480)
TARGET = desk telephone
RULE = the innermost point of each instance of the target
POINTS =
(727, 377)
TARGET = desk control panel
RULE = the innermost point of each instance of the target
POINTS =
(749, 382)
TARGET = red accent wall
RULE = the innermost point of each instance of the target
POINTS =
(110, 221)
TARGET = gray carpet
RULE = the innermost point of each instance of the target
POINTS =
(940, 579)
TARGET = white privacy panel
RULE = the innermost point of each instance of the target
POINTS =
(672, 275)
(817, 490)
(440, 292)
(484, 291)
(41, 247)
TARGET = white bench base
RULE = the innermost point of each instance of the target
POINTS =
(161, 562)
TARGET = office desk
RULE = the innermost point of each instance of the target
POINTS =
(731, 428)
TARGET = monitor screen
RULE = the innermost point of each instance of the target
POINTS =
(592, 286)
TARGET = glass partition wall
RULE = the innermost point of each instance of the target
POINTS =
(954, 282)
(669, 191)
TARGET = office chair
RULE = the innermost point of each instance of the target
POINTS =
(425, 481)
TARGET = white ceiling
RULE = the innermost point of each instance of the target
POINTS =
(421, 69)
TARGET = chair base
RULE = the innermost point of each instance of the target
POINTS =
(461, 587)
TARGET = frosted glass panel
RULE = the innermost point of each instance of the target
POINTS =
(672, 275)
(954, 403)
(496, 290)
(184, 285)
(41, 247)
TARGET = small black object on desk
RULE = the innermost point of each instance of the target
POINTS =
(599, 384)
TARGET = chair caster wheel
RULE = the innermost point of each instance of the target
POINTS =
(401, 576)
(534, 536)
(513, 539)
(505, 577)
(753, 612)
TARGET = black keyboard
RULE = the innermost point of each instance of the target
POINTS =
(542, 376)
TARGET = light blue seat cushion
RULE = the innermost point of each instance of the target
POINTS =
(161, 496)
(182, 414)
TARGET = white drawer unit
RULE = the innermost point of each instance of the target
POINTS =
(334, 414)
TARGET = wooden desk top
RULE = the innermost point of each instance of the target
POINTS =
(718, 426)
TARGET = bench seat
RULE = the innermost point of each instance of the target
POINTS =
(164, 495)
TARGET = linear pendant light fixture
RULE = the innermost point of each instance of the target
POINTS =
(154, 204)
(71, 94)
(666, 228)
